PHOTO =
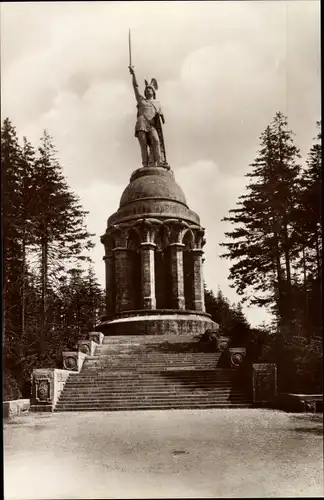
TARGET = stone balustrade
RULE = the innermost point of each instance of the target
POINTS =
(48, 383)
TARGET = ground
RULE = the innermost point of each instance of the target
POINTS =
(163, 454)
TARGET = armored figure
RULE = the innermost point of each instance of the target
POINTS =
(148, 129)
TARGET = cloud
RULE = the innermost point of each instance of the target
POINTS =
(224, 69)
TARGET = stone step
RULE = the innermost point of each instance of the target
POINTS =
(109, 400)
(156, 355)
(154, 382)
(127, 339)
(152, 349)
(161, 403)
(119, 385)
(159, 380)
(153, 406)
(202, 365)
(151, 387)
(167, 373)
(144, 369)
(96, 369)
(153, 390)
(150, 356)
(166, 394)
(207, 365)
(144, 373)
(167, 347)
(137, 378)
(187, 370)
(153, 362)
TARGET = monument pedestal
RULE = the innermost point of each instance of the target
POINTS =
(158, 322)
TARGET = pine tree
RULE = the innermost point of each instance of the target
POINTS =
(27, 218)
(308, 233)
(59, 227)
(78, 305)
(262, 246)
(16, 168)
(42, 223)
(11, 203)
(230, 318)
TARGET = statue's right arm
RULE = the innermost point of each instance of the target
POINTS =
(135, 84)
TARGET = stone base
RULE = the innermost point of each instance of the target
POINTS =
(42, 408)
(16, 407)
(158, 322)
(299, 403)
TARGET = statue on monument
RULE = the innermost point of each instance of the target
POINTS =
(148, 128)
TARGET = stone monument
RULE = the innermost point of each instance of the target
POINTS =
(153, 243)
(148, 352)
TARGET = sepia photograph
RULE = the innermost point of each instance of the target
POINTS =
(161, 225)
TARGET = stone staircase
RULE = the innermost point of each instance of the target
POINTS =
(152, 372)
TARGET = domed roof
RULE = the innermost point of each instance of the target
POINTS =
(152, 182)
(153, 192)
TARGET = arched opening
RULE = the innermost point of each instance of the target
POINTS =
(188, 270)
(134, 268)
(110, 275)
(162, 271)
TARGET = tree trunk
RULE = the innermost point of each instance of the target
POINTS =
(44, 278)
(318, 257)
(288, 311)
(23, 288)
(278, 274)
(305, 289)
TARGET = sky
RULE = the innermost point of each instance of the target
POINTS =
(224, 69)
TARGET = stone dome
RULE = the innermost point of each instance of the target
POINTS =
(156, 183)
(153, 192)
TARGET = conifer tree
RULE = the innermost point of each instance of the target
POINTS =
(11, 206)
(308, 234)
(59, 228)
(262, 246)
(43, 226)
(230, 318)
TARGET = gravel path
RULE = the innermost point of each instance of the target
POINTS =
(164, 454)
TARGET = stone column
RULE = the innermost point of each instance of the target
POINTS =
(148, 275)
(123, 280)
(177, 285)
(110, 285)
(198, 281)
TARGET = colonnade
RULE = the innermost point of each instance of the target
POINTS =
(153, 265)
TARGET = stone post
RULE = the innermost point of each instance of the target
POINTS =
(264, 380)
(124, 286)
(177, 285)
(110, 285)
(148, 275)
(198, 282)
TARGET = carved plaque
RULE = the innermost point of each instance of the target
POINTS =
(85, 348)
(70, 363)
(264, 382)
(43, 390)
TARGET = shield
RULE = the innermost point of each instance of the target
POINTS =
(158, 126)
